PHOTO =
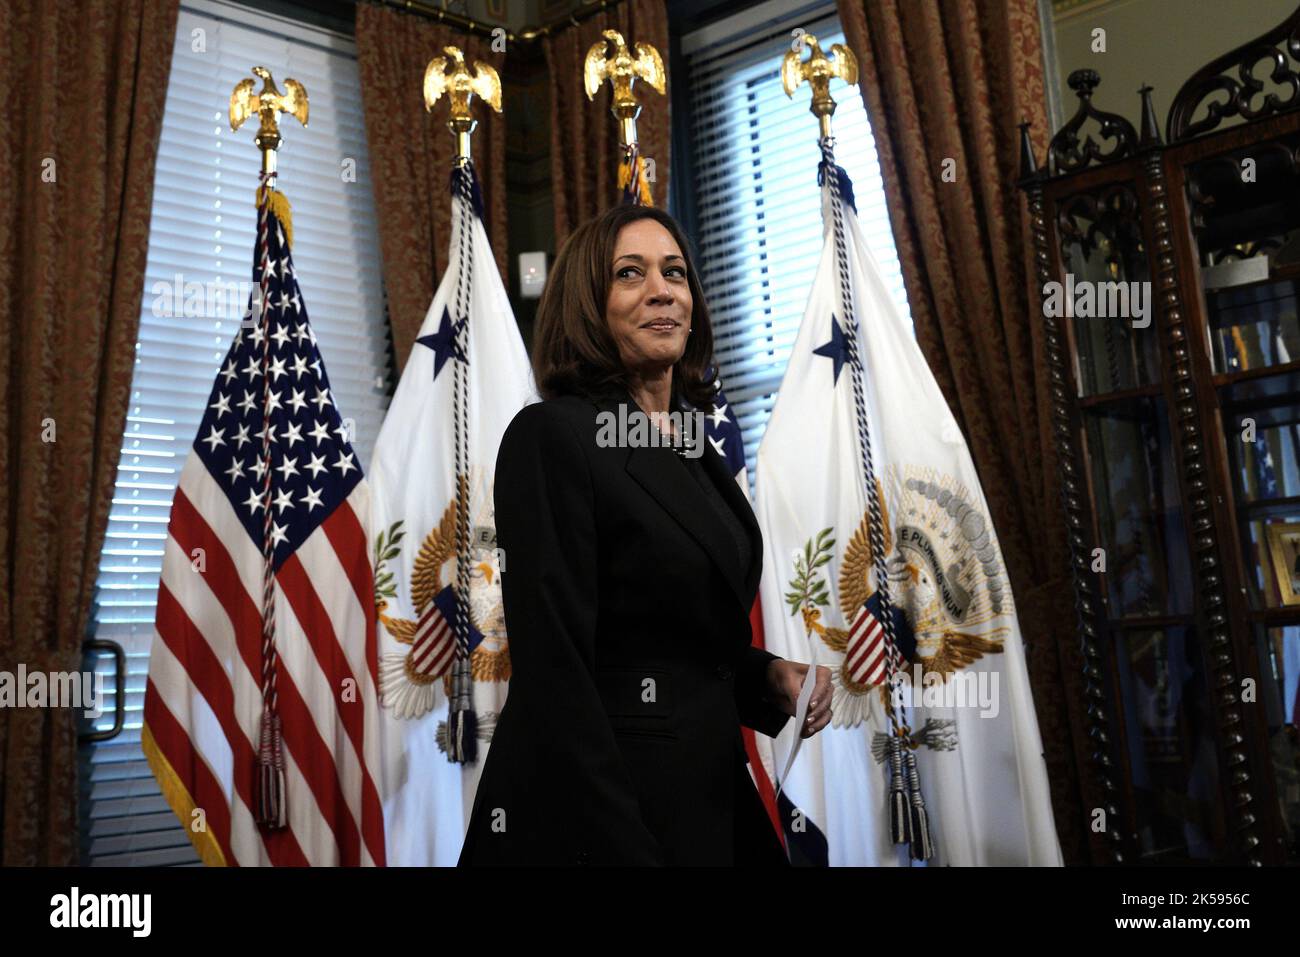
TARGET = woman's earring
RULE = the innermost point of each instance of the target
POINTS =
(689, 331)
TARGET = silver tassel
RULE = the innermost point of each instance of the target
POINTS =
(900, 821)
(462, 726)
(922, 843)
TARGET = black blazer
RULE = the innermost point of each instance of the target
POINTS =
(632, 669)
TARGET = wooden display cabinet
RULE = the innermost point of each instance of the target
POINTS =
(1173, 343)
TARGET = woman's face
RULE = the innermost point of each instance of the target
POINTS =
(649, 304)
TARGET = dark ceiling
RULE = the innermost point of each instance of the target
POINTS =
(340, 15)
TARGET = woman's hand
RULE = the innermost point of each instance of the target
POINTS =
(785, 678)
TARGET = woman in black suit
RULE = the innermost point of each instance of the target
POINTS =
(629, 572)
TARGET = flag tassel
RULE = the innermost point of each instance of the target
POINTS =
(462, 723)
(632, 179)
(271, 796)
(278, 203)
(270, 773)
(900, 822)
(463, 735)
(922, 842)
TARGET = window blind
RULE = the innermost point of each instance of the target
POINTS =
(758, 206)
(200, 250)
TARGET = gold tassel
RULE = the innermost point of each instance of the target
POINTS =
(627, 171)
(624, 174)
(280, 207)
(647, 198)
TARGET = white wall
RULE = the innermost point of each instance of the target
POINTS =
(1158, 42)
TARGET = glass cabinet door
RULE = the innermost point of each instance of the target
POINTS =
(1248, 254)
(1156, 675)
(1171, 747)
(1101, 247)
(1138, 510)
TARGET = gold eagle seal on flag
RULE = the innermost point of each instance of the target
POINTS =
(945, 578)
(407, 681)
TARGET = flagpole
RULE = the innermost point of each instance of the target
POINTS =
(909, 821)
(623, 70)
(450, 76)
(270, 805)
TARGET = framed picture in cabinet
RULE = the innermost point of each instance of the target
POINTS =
(1284, 555)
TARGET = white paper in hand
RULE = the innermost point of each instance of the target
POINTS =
(800, 713)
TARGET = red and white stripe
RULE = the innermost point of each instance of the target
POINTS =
(866, 659)
(433, 648)
(758, 748)
(204, 701)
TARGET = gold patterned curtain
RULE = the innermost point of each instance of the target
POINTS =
(83, 85)
(949, 79)
(584, 134)
(411, 153)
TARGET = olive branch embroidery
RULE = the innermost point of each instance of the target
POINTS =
(386, 549)
(808, 588)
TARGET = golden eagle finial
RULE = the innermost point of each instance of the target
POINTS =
(448, 74)
(267, 104)
(622, 70)
(818, 71)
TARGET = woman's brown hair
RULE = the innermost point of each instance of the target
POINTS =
(574, 353)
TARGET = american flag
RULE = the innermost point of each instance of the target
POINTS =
(722, 428)
(204, 698)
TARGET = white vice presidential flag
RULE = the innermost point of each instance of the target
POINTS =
(467, 375)
(970, 721)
